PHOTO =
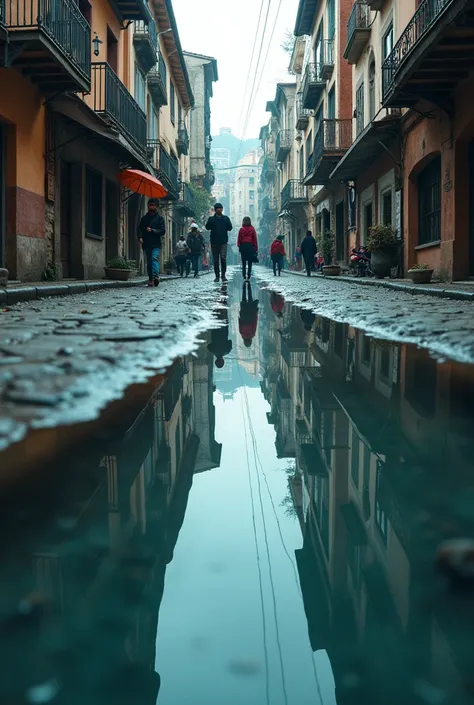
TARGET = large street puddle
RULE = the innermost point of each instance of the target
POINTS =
(263, 532)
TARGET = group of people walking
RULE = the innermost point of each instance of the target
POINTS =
(190, 249)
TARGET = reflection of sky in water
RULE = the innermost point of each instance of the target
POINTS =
(210, 646)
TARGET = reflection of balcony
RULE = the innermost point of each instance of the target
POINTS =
(182, 142)
(283, 145)
(50, 43)
(293, 193)
(432, 56)
(332, 140)
(145, 41)
(113, 101)
(157, 81)
(358, 31)
(313, 86)
(302, 114)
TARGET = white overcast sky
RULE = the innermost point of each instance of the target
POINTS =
(226, 29)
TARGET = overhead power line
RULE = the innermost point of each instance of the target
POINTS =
(247, 80)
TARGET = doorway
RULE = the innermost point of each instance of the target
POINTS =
(111, 220)
(340, 231)
(471, 209)
(65, 205)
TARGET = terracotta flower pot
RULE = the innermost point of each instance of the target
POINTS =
(420, 276)
(119, 275)
(381, 262)
(331, 270)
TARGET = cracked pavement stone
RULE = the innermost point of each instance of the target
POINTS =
(60, 365)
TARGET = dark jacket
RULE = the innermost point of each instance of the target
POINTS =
(308, 247)
(196, 243)
(156, 222)
(220, 228)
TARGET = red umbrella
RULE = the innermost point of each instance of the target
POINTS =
(142, 183)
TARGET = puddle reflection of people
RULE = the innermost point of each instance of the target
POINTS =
(277, 302)
(248, 319)
(308, 318)
(220, 344)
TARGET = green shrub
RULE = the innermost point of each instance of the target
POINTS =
(422, 265)
(381, 237)
(50, 273)
(121, 263)
(326, 245)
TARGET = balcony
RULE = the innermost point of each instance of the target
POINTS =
(182, 143)
(185, 201)
(302, 114)
(112, 101)
(332, 140)
(283, 145)
(145, 41)
(294, 193)
(327, 65)
(132, 9)
(157, 83)
(358, 31)
(50, 43)
(269, 207)
(313, 87)
(433, 55)
(168, 173)
(269, 167)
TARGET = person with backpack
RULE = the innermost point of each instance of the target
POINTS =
(220, 227)
(309, 250)
(277, 253)
(248, 247)
(196, 247)
(150, 233)
(181, 255)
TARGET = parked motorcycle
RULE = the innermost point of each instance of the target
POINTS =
(360, 262)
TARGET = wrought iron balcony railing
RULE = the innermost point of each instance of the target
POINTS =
(168, 172)
(145, 40)
(293, 191)
(423, 19)
(283, 144)
(269, 166)
(60, 21)
(358, 30)
(182, 143)
(327, 64)
(157, 83)
(113, 101)
(269, 205)
(334, 135)
(302, 114)
(186, 200)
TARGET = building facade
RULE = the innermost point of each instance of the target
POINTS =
(244, 192)
(75, 109)
(203, 73)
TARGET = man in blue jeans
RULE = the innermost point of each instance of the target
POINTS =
(150, 232)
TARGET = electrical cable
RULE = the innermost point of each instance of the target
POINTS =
(247, 80)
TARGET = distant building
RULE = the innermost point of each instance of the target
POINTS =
(244, 191)
(202, 72)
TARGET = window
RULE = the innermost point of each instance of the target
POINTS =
(140, 88)
(252, 211)
(355, 458)
(429, 203)
(93, 203)
(360, 109)
(380, 515)
(180, 113)
(366, 350)
(385, 363)
(368, 218)
(387, 208)
(332, 104)
(172, 104)
(251, 195)
(387, 42)
(331, 18)
(302, 164)
(252, 181)
(372, 90)
(152, 122)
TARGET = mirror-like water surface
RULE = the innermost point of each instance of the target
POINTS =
(263, 531)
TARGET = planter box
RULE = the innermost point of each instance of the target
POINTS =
(420, 276)
(118, 275)
(331, 270)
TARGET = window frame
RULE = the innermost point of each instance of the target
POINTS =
(140, 82)
(172, 103)
(429, 195)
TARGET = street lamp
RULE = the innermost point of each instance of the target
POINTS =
(96, 42)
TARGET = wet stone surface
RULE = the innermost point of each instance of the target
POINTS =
(445, 327)
(63, 360)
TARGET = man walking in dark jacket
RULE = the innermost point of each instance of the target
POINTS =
(220, 227)
(308, 250)
(150, 232)
(196, 246)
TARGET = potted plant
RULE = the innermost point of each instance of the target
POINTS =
(420, 273)
(326, 247)
(120, 269)
(169, 266)
(382, 244)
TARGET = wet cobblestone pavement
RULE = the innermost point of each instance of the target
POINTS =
(63, 360)
(446, 327)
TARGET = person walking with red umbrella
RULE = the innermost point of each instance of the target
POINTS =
(151, 230)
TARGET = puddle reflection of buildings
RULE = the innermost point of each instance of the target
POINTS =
(97, 570)
(381, 435)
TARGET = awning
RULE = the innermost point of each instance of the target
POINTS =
(77, 110)
(368, 147)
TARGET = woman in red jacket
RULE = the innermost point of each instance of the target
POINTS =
(248, 247)
(277, 252)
